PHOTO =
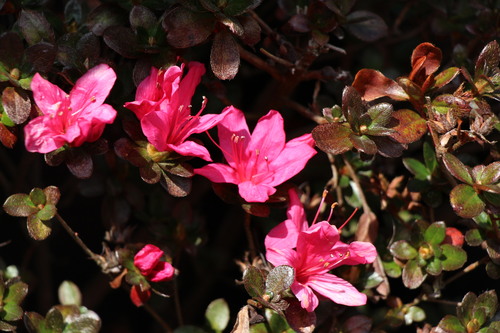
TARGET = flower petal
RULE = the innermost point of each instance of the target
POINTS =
(338, 290)
(292, 158)
(283, 256)
(147, 258)
(41, 138)
(47, 96)
(218, 173)
(188, 85)
(255, 192)
(268, 145)
(234, 123)
(92, 88)
(163, 271)
(308, 300)
(360, 253)
(190, 148)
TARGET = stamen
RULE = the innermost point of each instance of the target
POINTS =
(335, 204)
(323, 197)
(92, 99)
(350, 217)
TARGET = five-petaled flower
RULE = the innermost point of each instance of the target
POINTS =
(73, 118)
(260, 161)
(313, 251)
(163, 106)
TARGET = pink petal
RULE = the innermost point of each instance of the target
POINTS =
(268, 145)
(190, 148)
(147, 258)
(308, 300)
(40, 138)
(46, 95)
(92, 88)
(204, 123)
(318, 240)
(234, 123)
(218, 173)
(336, 289)
(156, 128)
(255, 192)
(163, 271)
(188, 84)
(283, 256)
(105, 113)
(292, 158)
(360, 253)
(285, 234)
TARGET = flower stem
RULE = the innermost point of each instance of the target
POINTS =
(248, 231)
(99, 260)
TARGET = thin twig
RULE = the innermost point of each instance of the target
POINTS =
(248, 231)
(354, 177)
(467, 269)
(177, 300)
(259, 63)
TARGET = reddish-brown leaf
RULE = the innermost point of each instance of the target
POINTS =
(332, 138)
(225, 56)
(410, 126)
(372, 84)
(425, 60)
(7, 138)
(16, 104)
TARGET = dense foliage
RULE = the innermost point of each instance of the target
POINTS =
(249, 166)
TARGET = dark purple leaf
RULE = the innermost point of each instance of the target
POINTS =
(122, 40)
(79, 163)
(224, 56)
(363, 143)
(143, 17)
(366, 25)
(105, 16)
(332, 138)
(251, 30)
(352, 106)
(35, 27)
(42, 56)
(185, 28)
(488, 59)
(11, 49)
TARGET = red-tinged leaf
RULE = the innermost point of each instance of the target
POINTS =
(299, 319)
(403, 250)
(38, 229)
(445, 77)
(332, 138)
(431, 56)
(352, 106)
(450, 324)
(175, 185)
(364, 144)
(151, 173)
(224, 56)
(465, 201)
(300, 23)
(79, 163)
(372, 84)
(42, 56)
(457, 168)
(35, 27)
(412, 89)
(409, 126)
(127, 150)
(138, 296)
(16, 104)
(52, 194)
(379, 114)
(186, 29)
(251, 30)
(233, 24)
(105, 16)
(11, 49)
(142, 17)
(7, 138)
(449, 103)
(19, 205)
(358, 324)
(486, 175)
(413, 276)
(366, 25)
(122, 40)
(488, 59)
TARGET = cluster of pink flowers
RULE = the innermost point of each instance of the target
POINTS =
(313, 251)
(257, 162)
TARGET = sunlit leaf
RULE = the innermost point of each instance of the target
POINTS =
(465, 201)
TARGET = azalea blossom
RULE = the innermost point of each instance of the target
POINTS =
(260, 161)
(313, 251)
(149, 264)
(73, 118)
(163, 106)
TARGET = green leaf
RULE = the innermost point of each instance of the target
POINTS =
(379, 114)
(363, 143)
(69, 294)
(38, 229)
(12, 312)
(34, 322)
(5, 327)
(84, 323)
(486, 175)
(465, 307)
(254, 282)
(47, 212)
(278, 280)
(454, 257)
(474, 237)
(445, 77)
(392, 269)
(413, 276)
(478, 319)
(16, 292)
(217, 314)
(451, 324)
(19, 205)
(489, 301)
(403, 250)
(54, 320)
(435, 233)
(457, 168)
(416, 168)
(408, 126)
(465, 201)
(6, 120)
(414, 314)
(434, 267)
(332, 138)
(37, 196)
(430, 157)
(493, 270)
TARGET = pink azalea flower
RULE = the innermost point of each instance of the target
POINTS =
(163, 105)
(313, 251)
(73, 118)
(259, 161)
(149, 264)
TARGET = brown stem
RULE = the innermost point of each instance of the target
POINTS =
(467, 269)
(99, 260)
(248, 231)
(259, 63)
(354, 177)
(178, 309)
(158, 318)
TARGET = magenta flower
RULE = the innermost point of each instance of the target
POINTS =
(313, 251)
(259, 161)
(163, 105)
(70, 119)
(149, 264)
